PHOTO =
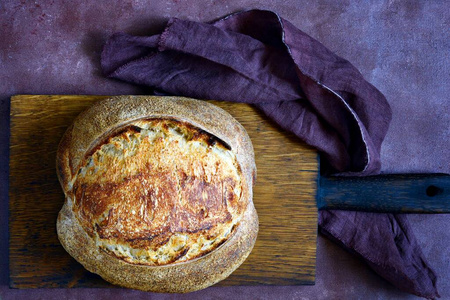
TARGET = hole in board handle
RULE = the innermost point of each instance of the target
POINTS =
(433, 190)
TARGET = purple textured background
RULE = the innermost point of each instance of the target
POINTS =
(402, 47)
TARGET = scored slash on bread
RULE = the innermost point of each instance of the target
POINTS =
(158, 192)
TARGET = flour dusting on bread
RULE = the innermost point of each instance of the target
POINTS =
(160, 191)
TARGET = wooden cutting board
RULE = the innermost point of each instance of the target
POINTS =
(284, 197)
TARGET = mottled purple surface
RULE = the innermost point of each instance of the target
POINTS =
(256, 56)
(400, 47)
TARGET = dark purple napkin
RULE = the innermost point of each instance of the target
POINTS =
(257, 57)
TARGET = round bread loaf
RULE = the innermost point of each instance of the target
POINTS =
(158, 192)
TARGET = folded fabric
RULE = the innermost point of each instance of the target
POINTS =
(386, 243)
(259, 58)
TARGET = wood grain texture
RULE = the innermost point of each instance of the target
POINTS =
(401, 193)
(284, 197)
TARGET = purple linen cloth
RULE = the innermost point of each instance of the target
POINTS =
(259, 58)
(244, 58)
(387, 245)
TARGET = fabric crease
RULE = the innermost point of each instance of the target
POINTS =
(257, 57)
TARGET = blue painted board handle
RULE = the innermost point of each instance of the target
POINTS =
(411, 193)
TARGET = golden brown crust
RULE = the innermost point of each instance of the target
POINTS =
(159, 191)
(118, 116)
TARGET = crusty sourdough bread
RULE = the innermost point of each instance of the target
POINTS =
(158, 192)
